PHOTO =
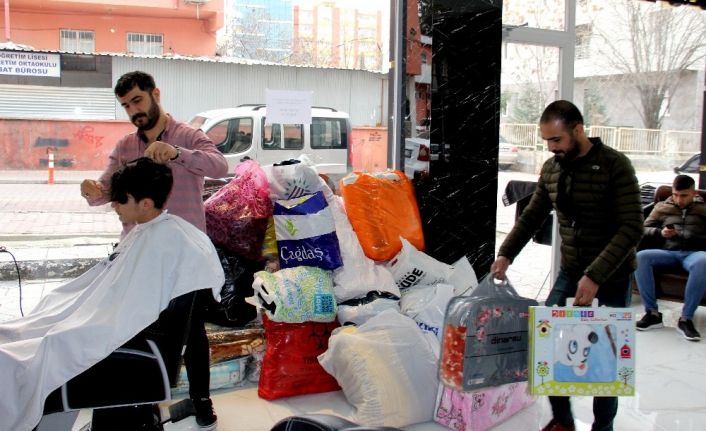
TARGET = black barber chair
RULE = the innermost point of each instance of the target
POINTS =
(321, 422)
(123, 388)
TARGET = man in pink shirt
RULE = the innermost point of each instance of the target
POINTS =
(192, 156)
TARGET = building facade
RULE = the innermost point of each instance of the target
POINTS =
(154, 27)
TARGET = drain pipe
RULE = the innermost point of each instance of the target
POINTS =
(7, 20)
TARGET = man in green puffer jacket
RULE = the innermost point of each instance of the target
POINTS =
(595, 194)
(681, 222)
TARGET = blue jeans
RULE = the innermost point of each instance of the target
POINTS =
(693, 262)
(613, 293)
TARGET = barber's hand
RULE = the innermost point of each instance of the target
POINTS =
(499, 267)
(668, 233)
(586, 291)
(91, 189)
(161, 152)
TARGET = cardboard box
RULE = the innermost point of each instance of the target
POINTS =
(578, 351)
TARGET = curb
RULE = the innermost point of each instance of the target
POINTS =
(46, 269)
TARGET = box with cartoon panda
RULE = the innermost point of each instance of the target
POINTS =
(578, 351)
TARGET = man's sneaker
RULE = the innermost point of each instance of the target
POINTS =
(649, 321)
(553, 425)
(687, 329)
(206, 419)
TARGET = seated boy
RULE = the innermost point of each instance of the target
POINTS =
(78, 324)
(681, 222)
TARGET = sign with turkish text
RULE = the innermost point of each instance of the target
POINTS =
(30, 64)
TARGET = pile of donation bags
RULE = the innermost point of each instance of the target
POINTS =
(348, 300)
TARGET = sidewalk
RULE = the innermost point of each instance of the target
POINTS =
(49, 228)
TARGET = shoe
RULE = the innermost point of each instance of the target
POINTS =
(206, 419)
(553, 425)
(687, 329)
(649, 321)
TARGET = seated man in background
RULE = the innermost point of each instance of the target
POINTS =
(81, 322)
(681, 221)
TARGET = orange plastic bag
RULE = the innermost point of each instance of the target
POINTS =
(381, 207)
(290, 366)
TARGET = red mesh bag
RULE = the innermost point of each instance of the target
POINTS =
(291, 366)
(237, 214)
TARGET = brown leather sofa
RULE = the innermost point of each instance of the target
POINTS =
(670, 283)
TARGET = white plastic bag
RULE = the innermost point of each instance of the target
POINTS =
(357, 311)
(386, 368)
(427, 306)
(412, 267)
(359, 274)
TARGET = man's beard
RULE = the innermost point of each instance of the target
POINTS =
(152, 116)
(566, 157)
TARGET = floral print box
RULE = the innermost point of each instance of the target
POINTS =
(482, 409)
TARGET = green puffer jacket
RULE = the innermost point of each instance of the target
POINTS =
(690, 224)
(599, 214)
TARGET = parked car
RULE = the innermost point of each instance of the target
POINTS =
(689, 167)
(241, 133)
(416, 156)
(508, 154)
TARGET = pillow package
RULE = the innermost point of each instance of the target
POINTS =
(386, 368)
(296, 295)
(306, 233)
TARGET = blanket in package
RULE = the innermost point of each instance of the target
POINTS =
(485, 339)
(481, 409)
(382, 207)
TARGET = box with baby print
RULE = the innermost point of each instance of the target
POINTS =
(578, 351)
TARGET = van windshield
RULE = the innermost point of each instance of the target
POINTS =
(197, 122)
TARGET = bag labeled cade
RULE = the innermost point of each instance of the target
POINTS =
(582, 350)
(485, 338)
(306, 233)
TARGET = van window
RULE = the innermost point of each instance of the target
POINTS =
(329, 133)
(232, 136)
(282, 136)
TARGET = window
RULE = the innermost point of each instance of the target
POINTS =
(583, 41)
(329, 133)
(232, 136)
(282, 136)
(77, 41)
(144, 43)
(424, 58)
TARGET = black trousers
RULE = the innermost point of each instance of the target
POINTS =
(196, 355)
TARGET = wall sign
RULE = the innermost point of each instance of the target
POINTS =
(30, 64)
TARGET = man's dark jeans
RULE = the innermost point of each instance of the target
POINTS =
(614, 293)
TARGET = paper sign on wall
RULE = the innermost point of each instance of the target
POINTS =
(288, 107)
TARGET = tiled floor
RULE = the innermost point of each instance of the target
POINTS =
(670, 393)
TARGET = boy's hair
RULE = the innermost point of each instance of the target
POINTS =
(564, 111)
(683, 182)
(142, 178)
(144, 81)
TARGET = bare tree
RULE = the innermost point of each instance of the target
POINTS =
(249, 36)
(651, 47)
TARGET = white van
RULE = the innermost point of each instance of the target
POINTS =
(241, 133)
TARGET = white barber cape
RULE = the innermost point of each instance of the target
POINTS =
(83, 321)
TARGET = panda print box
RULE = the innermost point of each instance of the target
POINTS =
(578, 351)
